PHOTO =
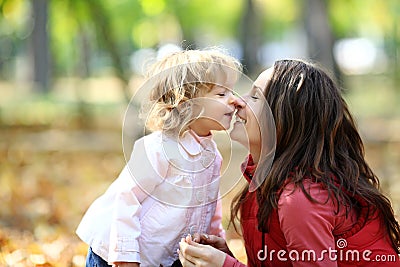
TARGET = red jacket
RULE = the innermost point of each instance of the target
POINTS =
(304, 233)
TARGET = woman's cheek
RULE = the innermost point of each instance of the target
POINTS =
(239, 134)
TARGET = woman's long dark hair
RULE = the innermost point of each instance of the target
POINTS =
(317, 137)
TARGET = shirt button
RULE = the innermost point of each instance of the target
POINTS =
(192, 229)
(186, 179)
(200, 196)
(211, 198)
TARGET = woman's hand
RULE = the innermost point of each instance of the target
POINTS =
(195, 254)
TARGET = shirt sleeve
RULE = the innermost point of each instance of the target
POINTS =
(232, 262)
(216, 221)
(216, 227)
(146, 169)
(308, 226)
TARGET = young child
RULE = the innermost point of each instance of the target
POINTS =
(170, 185)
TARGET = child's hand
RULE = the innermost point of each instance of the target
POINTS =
(200, 238)
(195, 254)
(126, 264)
(212, 240)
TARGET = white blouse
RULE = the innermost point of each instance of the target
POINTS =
(168, 189)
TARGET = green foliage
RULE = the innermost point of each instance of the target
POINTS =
(150, 23)
(64, 29)
(14, 16)
(11, 12)
(351, 17)
(279, 16)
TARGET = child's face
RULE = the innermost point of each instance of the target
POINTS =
(216, 109)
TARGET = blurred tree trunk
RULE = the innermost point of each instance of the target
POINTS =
(250, 37)
(104, 31)
(319, 35)
(83, 71)
(83, 67)
(40, 45)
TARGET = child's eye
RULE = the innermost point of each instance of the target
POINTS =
(221, 94)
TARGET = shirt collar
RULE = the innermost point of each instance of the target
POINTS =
(194, 144)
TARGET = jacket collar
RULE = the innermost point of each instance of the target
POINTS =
(248, 168)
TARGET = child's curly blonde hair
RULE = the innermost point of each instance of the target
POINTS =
(182, 76)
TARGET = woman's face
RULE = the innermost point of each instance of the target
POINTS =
(246, 129)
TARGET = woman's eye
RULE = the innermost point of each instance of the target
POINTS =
(254, 97)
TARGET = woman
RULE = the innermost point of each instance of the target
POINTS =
(320, 204)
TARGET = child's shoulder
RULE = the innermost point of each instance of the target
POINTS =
(156, 137)
(152, 137)
(156, 141)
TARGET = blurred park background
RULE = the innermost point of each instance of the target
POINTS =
(68, 69)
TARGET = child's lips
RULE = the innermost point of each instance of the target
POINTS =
(240, 119)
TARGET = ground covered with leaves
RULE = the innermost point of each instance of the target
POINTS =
(47, 180)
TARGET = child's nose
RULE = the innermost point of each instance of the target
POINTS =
(238, 102)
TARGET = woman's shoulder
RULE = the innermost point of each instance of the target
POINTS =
(308, 205)
(308, 198)
(313, 203)
(305, 191)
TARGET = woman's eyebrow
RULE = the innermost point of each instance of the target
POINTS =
(254, 87)
(257, 88)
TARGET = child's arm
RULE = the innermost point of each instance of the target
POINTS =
(145, 170)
